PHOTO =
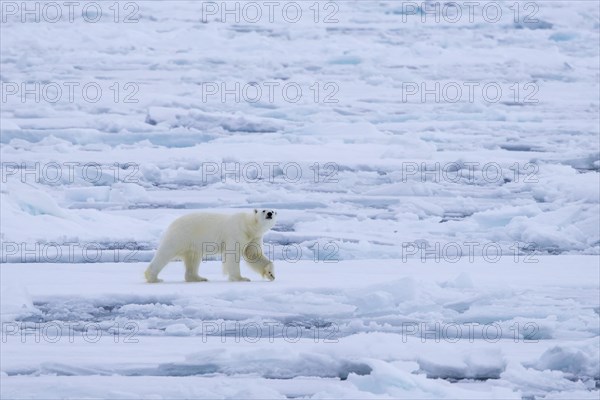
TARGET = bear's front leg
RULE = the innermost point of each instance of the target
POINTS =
(238, 279)
(258, 261)
(232, 269)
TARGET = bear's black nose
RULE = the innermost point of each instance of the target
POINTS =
(269, 215)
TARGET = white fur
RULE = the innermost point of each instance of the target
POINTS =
(196, 235)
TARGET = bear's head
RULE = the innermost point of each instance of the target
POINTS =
(265, 218)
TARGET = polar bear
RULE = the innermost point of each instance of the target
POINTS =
(234, 236)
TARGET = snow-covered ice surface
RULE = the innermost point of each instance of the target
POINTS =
(372, 183)
(352, 329)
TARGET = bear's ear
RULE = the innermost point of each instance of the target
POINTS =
(255, 211)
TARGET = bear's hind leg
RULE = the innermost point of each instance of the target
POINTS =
(192, 264)
(160, 260)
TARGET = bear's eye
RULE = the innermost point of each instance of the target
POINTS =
(264, 210)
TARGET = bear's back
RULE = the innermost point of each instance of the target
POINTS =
(206, 224)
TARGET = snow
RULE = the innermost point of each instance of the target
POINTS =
(429, 245)
(413, 330)
(571, 359)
